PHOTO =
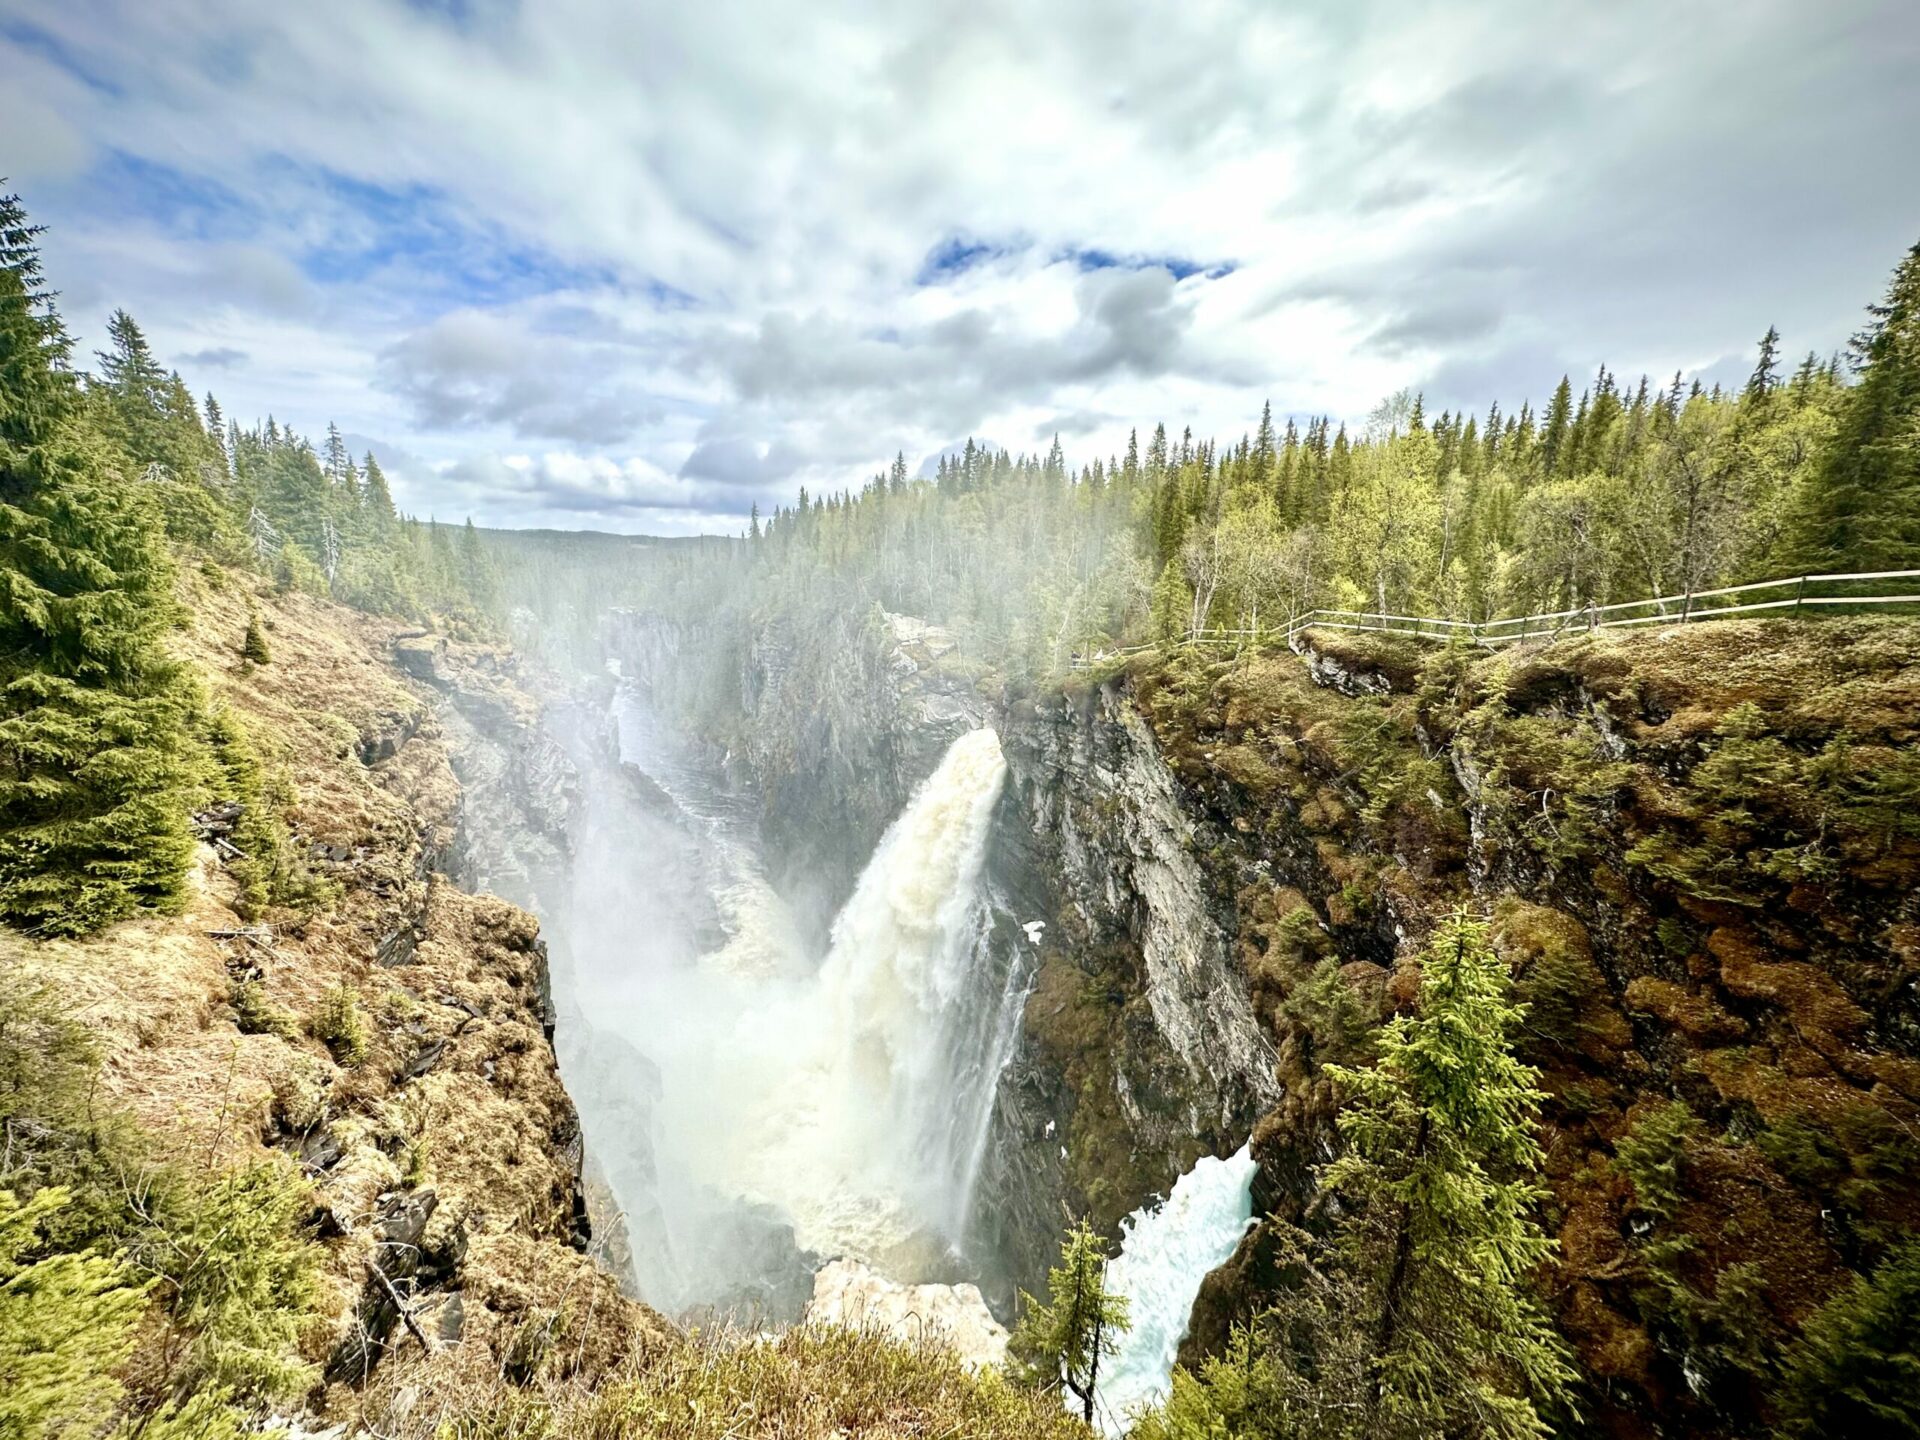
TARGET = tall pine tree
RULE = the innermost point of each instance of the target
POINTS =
(94, 750)
(1861, 508)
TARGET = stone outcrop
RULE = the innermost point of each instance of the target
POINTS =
(846, 1292)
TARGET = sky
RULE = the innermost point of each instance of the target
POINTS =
(632, 266)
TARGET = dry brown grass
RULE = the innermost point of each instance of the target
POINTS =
(807, 1383)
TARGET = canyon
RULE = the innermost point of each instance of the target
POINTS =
(836, 1000)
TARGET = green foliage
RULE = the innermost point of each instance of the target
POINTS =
(1720, 1321)
(1063, 1340)
(1861, 508)
(238, 1275)
(1548, 784)
(104, 1234)
(47, 1057)
(1325, 1008)
(268, 868)
(342, 1025)
(1440, 1171)
(1757, 809)
(1856, 1368)
(152, 421)
(808, 1381)
(253, 646)
(1652, 1153)
(95, 765)
(66, 1323)
(255, 1014)
(1415, 1317)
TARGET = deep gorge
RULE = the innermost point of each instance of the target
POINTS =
(1175, 855)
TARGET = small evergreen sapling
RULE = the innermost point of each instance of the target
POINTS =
(253, 647)
(1061, 1343)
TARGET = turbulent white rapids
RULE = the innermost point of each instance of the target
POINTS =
(1165, 1254)
(758, 1111)
(871, 1145)
(752, 1088)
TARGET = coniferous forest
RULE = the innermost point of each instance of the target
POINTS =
(1631, 489)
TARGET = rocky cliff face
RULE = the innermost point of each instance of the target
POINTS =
(1139, 1048)
(1697, 848)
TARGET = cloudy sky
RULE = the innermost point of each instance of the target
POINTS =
(628, 265)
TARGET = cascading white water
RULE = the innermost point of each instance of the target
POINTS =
(851, 1100)
(1165, 1254)
(871, 1146)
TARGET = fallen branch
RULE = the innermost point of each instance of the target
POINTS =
(406, 1315)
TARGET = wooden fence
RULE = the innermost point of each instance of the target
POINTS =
(1797, 595)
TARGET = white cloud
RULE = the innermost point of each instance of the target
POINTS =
(680, 243)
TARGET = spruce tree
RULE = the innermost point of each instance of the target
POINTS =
(1063, 1341)
(1559, 414)
(1439, 1180)
(375, 498)
(94, 758)
(148, 414)
(254, 649)
(1860, 509)
(1766, 370)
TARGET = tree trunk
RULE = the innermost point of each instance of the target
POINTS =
(1093, 1362)
(1388, 1324)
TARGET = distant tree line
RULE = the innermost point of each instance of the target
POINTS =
(1623, 491)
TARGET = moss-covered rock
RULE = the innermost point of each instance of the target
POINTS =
(1699, 851)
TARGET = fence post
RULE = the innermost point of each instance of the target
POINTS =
(1799, 594)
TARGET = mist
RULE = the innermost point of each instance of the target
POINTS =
(758, 1104)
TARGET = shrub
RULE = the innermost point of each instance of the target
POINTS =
(255, 1014)
(342, 1026)
(1855, 1369)
(238, 1273)
(1652, 1153)
(300, 1095)
(66, 1324)
(266, 867)
(253, 647)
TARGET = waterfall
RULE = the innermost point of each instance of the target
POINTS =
(841, 1101)
(901, 1038)
(1165, 1254)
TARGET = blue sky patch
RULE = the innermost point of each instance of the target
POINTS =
(1178, 266)
(958, 254)
(37, 42)
(417, 230)
(182, 203)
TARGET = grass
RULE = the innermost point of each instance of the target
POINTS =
(808, 1383)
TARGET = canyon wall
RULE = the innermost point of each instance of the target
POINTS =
(1698, 853)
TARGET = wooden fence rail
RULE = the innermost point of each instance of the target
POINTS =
(1662, 610)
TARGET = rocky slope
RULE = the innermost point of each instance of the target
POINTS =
(443, 1152)
(1699, 852)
